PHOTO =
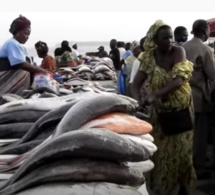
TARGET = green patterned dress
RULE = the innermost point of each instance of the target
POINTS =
(173, 160)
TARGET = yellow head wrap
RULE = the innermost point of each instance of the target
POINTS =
(149, 43)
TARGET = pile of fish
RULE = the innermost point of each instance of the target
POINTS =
(75, 85)
(82, 143)
(97, 69)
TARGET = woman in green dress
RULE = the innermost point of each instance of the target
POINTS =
(169, 74)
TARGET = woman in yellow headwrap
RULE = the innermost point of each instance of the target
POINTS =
(171, 116)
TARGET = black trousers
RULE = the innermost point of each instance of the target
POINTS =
(204, 123)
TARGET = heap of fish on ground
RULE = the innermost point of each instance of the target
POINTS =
(96, 69)
(90, 138)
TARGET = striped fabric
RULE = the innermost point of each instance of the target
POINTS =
(14, 81)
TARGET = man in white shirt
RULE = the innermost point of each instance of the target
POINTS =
(121, 49)
(135, 68)
(74, 50)
(136, 64)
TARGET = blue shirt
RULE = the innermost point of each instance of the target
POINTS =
(14, 51)
(127, 54)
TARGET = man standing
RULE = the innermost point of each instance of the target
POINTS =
(115, 56)
(201, 82)
(180, 35)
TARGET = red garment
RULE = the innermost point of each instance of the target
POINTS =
(49, 63)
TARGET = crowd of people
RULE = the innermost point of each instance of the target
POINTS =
(181, 91)
(171, 78)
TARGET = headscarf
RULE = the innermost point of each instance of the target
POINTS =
(133, 45)
(18, 24)
(41, 47)
(149, 43)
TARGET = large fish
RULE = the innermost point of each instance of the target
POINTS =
(142, 167)
(21, 148)
(14, 130)
(24, 116)
(30, 110)
(120, 123)
(53, 117)
(9, 97)
(96, 188)
(4, 177)
(44, 95)
(142, 141)
(64, 91)
(78, 170)
(42, 104)
(40, 90)
(43, 133)
(6, 159)
(101, 68)
(6, 142)
(82, 97)
(84, 69)
(93, 144)
(91, 108)
(147, 137)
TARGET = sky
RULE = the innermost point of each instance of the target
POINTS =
(99, 20)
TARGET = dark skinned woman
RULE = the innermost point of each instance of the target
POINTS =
(48, 62)
(15, 65)
(171, 116)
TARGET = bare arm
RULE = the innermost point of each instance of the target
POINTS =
(169, 87)
(139, 79)
(33, 69)
(179, 56)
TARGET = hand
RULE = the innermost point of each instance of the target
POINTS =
(150, 99)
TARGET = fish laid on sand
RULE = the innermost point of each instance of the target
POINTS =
(143, 167)
(78, 170)
(96, 188)
(91, 108)
(142, 141)
(30, 110)
(21, 148)
(14, 130)
(54, 116)
(93, 144)
(40, 104)
(9, 97)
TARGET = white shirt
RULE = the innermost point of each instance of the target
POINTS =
(135, 68)
(121, 52)
(75, 52)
